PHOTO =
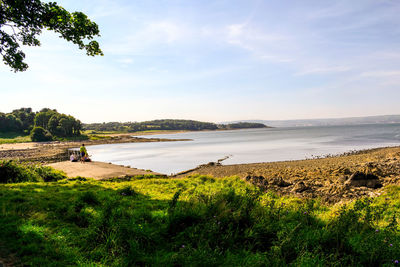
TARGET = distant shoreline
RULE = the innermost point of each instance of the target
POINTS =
(191, 131)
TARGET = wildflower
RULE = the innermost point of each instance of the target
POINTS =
(377, 230)
(390, 245)
(396, 262)
(183, 246)
(305, 212)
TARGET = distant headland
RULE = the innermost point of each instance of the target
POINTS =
(384, 119)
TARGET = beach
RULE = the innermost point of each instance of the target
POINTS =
(327, 178)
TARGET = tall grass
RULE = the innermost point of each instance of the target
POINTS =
(196, 221)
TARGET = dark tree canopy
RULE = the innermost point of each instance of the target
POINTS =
(21, 21)
(167, 124)
(53, 123)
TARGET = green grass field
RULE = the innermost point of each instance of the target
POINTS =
(195, 221)
(9, 138)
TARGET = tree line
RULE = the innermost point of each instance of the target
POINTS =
(44, 125)
(167, 124)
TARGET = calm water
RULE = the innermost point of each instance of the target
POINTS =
(246, 146)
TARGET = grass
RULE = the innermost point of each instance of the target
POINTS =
(195, 221)
(72, 138)
(11, 137)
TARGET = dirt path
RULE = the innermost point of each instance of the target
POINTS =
(98, 170)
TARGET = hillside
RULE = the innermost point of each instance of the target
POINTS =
(168, 124)
(328, 121)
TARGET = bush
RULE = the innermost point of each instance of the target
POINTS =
(39, 134)
(49, 174)
(11, 172)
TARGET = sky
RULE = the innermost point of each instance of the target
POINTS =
(218, 60)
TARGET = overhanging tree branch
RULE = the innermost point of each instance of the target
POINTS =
(30, 17)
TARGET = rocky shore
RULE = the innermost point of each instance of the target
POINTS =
(331, 179)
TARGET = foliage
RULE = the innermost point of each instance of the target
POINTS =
(58, 124)
(23, 20)
(13, 137)
(166, 124)
(196, 221)
(48, 174)
(242, 125)
(23, 120)
(12, 172)
(19, 120)
(39, 134)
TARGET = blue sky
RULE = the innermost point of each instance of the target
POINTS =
(218, 61)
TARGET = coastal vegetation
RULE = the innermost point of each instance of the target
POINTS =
(23, 125)
(196, 221)
(45, 125)
(167, 124)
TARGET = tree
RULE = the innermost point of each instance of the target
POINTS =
(42, 118)
(21, 21)
(53, 124)
(26, 116)
(39, 134)
(13, 124)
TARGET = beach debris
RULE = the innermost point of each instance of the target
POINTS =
(359, 179)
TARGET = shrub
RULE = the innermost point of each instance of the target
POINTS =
(39, 134)
(11, 172)
(49, 174)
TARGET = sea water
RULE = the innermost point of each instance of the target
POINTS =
(246, 146)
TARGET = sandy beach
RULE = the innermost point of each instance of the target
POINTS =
(99, 170)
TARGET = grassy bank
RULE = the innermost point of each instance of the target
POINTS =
(11, 138)
(197, 221)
